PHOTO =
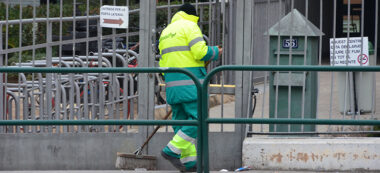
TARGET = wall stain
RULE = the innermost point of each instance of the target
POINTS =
(356, 156)
(263, 156)
(339, 155)
(54, 150)
(277, 157)
(324, 155)
(290, 156)
(315, 157)
(302, 157)
(365, 155)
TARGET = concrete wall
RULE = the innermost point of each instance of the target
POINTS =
(316, 154)
(63, 151)
(97, 151)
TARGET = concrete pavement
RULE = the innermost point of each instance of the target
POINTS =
(161, 171)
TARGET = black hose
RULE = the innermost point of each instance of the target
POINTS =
(355, 99)
(254, 92)
(254, 104)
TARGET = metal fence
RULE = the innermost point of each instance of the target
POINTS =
(202, 91)
(67, 34)
(48, 37)
(338, 95)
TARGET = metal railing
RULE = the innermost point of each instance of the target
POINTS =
(62, 50)
(74, 95)
(202, 91)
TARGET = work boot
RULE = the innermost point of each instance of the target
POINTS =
(174, 161)
(193, 169)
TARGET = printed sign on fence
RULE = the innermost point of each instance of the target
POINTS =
(355, 54)
(114, 16)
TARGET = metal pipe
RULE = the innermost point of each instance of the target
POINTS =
(56, 19)
(101, 59)
(10, 109)
(64, 108)
(40, 63)
(2, 88)
(57, 43)
(121, 58)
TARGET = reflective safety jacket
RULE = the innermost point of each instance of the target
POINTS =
(181, 45)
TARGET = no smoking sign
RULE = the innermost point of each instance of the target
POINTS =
(363, 59)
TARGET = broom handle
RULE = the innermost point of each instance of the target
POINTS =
(155, 130)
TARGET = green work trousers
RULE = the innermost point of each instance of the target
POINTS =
(182, 145)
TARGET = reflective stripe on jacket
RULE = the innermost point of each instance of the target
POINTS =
(181, 45)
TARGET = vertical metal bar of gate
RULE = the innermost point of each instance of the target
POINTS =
(4, 76)
(210, 21)
(58, 78)
(320, 57)
(278, 63)
(31, 97)
(304, 63)
(320, 38)
(99, 114)
(358, 90)
(375, 53)
(72, 115)
(332, 73)
(223, 55)
(19, 55)
(85, 111)
(49, 76)
(111, 88)
(290, 63)
(125, 80)
(349, 77)
(2, 89)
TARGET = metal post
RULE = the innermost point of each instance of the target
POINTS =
(19, 59)
(243, 56)
(146, 81)
(6, 59)
(85, 112)
(99, 110)
(2, 89)
(48, 114)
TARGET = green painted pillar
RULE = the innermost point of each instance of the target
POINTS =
(293, 41)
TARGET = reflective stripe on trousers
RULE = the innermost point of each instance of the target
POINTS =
(189, 159)
(183, 145)
(181, 83)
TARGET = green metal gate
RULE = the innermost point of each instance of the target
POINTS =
(204, 120)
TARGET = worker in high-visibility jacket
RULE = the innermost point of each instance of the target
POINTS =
(181, 45)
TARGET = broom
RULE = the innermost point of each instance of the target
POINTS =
(137, 160)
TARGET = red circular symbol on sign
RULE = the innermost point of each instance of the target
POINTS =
(363, 59)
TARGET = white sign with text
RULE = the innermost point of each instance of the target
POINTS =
(356, 54)
(114, 16)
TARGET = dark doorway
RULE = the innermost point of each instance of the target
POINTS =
(349, 19)
(349, 11)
